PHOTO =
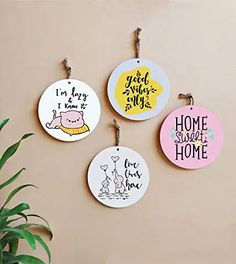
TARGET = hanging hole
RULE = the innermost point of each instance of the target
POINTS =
(138, 61)
(69, 82)
(117, 149)
(191, 108)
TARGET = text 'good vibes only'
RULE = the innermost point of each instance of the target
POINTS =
(138, 90)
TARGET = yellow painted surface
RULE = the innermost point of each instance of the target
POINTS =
(136, 92)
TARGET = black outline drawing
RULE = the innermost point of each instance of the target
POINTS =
(120, 192)
(106, 182)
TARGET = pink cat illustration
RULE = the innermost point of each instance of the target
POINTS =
(70, 122)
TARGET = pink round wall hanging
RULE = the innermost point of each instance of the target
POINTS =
(191, 137)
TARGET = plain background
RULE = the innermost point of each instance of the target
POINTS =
(186, 217)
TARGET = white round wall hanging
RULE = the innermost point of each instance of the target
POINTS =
(118, 176)
(69, 110)
(138, 89)
(191, 136)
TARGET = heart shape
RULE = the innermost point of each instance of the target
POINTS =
(104, 167)
(115, 158)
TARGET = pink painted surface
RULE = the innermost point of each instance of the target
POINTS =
(191, 137)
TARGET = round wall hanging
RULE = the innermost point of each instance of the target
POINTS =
(138, 89)
(118, 176)
(69, 109)
(191, 136)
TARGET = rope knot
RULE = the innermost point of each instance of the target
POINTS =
(137, 42)
(67, 68)
(117, 132)
(187, 96)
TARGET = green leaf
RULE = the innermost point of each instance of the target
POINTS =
(8, 258)
(12, 179)
(45, 221)
(16, 219)
(14, 192)
(16, 210)
(3, 219)
(44, 245)
(29, 225)
(24, 216)
(1, 255)
(8, 237)
(11, 150)
(24, 233)
(13, 246)
(26, 259)
(13, 220)
(3, 123)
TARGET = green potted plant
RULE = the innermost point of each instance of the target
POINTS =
(15, 224)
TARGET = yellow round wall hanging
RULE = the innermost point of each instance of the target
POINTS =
(138, 89)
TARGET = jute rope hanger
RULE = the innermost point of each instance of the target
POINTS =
(117, 132)
(137, 42)
(187, 96)
(67, 68)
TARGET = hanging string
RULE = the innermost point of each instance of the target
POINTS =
(137, 42)
(187, 96)
(67, 68)
(117, 132)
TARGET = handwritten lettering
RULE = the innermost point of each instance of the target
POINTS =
(132, 175)
(138, 90)
(75, 100)
(190, 137)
